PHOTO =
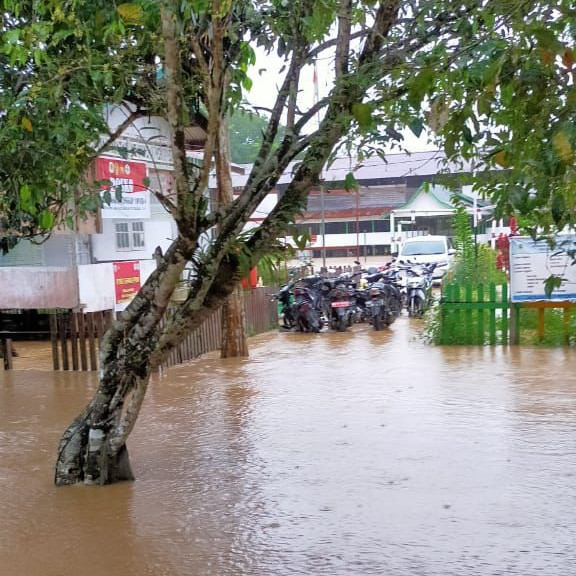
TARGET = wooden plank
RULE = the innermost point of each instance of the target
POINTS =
(63, 326)
(468, 316)
(492, 295)
(505, 309)
(475, 306)
(6, 351)
(53, 320)
(92, 341)
(548, 304)
(74, 340)
(82, 342)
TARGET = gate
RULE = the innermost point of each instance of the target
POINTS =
(474, 314)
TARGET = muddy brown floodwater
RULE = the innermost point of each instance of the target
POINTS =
(325, 455)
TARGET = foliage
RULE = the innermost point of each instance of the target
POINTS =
(246, 134)
(463, 241)
(473, 262)
(58, 70)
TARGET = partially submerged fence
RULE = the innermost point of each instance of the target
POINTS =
(481, 314)
(261, 316)
(474, 314)
(75, 336)
(543, 322)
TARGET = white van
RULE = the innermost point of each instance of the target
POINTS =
(428, 249)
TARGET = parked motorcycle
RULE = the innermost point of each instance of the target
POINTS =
(383, 300)
(285, 298)
(308, 304)
(416, 282)
(419, 289)
(339, 303)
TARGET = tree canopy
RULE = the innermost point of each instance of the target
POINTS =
(493, 80)
(246, 134)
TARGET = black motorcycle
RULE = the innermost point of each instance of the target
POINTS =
(307, 304)
(339, 303)
(383, 300)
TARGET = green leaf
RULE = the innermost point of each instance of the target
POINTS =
(350, 182)
(130, 12)
(363, 115)
(551, 283)
(558, 209)
(46, 220)
(422, 83)
(416, 126)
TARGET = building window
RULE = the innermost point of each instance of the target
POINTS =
(130, 236)
(336, 228)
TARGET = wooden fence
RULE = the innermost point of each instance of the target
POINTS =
(474, 314)
(261, 316)
(552, 328)
(75, 336)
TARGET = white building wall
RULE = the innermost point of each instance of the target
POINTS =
(156, 233)
(363, 239)
(96, 287)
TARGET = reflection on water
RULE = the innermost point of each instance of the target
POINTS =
(323, 454)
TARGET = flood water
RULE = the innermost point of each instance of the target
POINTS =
(325, 455)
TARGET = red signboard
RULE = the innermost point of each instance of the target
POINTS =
(128, 175)
(126, 280)
(129, 178)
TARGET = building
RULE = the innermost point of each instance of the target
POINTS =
(405, 195)
(101, 263)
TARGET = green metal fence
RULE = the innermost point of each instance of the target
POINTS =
(474, 314)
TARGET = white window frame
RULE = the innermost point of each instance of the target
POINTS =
(132, 234)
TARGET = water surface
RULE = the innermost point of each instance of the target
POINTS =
(324, 454)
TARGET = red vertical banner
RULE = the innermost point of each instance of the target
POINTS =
(126, 280)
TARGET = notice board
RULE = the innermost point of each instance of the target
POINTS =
(533, 261)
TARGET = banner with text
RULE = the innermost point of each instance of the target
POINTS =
(129, 179)
(532, 262)
(126, 280)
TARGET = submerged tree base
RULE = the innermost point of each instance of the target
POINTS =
(84, 457)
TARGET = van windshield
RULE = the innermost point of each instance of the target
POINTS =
(424, 247)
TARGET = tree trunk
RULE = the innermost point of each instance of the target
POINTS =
(93, 449)
(234, 340)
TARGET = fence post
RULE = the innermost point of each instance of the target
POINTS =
(505, 308)
(6, 350)
(53, 319)
(492, 296)
(566, 322)
(515, 324)
(480, 300)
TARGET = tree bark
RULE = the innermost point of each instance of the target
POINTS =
(234, 338)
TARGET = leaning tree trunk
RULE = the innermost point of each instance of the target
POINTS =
(234, 337)
(234, 341)
(93, 448)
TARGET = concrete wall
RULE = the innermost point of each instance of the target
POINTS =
(96, 285)
(29, 288)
